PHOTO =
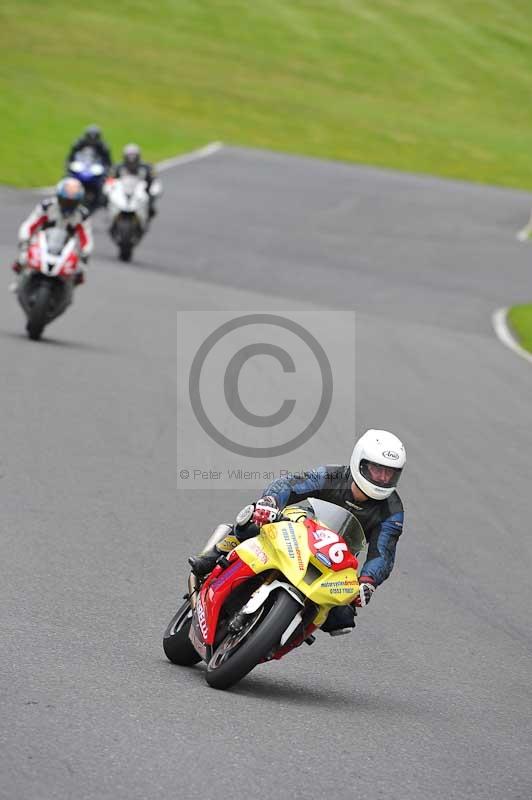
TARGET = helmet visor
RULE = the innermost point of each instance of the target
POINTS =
(132, 161)
(380, 474)
(93, 133)
(68, 204)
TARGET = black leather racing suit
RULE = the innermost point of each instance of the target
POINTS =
(100, 148)
(143, 170)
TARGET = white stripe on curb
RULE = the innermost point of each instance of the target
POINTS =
(168, 163)
(195, 155)
(502, 332)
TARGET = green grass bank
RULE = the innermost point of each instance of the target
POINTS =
(520, 320)
(434, 86)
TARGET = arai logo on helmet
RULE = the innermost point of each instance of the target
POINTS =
(391, 454)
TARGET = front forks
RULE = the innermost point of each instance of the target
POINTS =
(193, 589)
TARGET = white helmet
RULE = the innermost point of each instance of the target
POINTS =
(377, 462)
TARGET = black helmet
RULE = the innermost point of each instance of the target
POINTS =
(131, 155)
(93, 134)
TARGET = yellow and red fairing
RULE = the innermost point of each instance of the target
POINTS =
(312, 557)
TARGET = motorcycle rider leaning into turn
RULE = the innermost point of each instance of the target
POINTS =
(132, 164)
(65, 209)
(366, 488)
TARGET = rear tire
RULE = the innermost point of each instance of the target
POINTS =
(261, 640)
(39, 310)
(125, 252)
(177, 646)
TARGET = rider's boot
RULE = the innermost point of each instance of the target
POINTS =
(221, 542)
(340, 620)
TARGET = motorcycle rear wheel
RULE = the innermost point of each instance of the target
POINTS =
(258, 644)
(39, 310)
(177, 646)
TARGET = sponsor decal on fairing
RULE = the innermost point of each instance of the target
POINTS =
(202, 619)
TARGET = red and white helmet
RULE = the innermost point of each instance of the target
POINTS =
(377, 462)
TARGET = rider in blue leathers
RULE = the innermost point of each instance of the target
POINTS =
(366, 488)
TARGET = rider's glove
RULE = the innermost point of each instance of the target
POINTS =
(266, 510)
(367, 587)
(22, 259)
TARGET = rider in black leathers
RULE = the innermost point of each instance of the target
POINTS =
(91, 137)
(132, 164)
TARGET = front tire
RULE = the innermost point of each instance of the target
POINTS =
(39, 310)
(125, 232)
(262, 639)
(125, 252)
(177, 646)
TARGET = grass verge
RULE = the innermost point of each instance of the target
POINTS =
(520, 320)
(434, 86)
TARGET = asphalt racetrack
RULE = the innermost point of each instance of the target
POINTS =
(431, 696)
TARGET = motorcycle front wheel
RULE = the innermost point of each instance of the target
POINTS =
(177, 646)
(39, 310)
(125, 252)
(125, 232)
(239, 652)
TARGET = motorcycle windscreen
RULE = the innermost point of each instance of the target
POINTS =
(87, 155)
(56, 238)
(340, 520)
(130, 183)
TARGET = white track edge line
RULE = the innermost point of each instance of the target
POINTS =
(167, 163)
(194, 155)
(502, 331)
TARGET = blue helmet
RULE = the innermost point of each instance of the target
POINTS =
(70, 194)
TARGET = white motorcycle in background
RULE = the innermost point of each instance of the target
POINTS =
(128, 204)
